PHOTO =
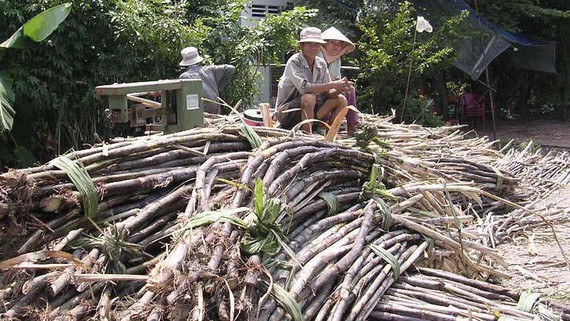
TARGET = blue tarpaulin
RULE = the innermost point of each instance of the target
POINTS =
(475, 55)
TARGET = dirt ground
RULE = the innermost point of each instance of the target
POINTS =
(546, 133)
(536, 261)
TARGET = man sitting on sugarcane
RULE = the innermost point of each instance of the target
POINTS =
(305, 90)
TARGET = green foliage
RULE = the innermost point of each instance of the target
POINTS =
(108, 41)
(248, 48)
(36, 29)
(149, 37)
(341, 14)
(421, 111)
(391, 44)
(83, 183)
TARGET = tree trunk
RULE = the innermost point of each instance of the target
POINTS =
(563, 32)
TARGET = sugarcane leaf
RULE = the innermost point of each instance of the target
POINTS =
(224, 215)
(83, 183)
(258, 197)
(527, 301)
(331, 200)
(16, 40)
(500, 178)
(285, 300)
(261, 244)
(381, 143)
(306, 121)
(473, 195)
(6, 99)
(388, 257)
(388, 220)
(286, 248)
(234, 184)
(252, 137)
(373, 176)
(40, 255)
(452, 209)
(420, 213)
(232, 300)
(273, 208)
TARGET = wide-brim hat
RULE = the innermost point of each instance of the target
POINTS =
(333, 33)
(190, 56)
(311, 34)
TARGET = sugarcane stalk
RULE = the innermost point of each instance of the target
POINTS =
(418, 305)
(379, 291)
(174, 199)
(380, 315)
(319, 205)
(154, 226)
(365, 278)
(104, 305)
(66, 276)
(217, 253)
(438, 284)
(414, 312)
(343, 264)
(309, 228)
(319, 305)
(78, 299)
(137, 307)
(283, 159)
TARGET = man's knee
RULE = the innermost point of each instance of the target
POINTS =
(308, 100)
(340, 101)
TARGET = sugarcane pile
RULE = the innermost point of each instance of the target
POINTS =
(228, 223)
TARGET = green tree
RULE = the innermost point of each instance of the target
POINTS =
(108, 41)
(391, 54)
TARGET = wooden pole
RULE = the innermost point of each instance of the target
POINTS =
(488, 85)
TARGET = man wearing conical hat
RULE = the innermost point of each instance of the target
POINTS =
(305, 90)
(214, 78)
(338, 45)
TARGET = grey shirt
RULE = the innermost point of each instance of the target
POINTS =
(297, 78)
(214, 79)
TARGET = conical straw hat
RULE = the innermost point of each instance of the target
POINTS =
(333, 33)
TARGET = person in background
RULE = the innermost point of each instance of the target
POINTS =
(306, 91)
(337, 45)
(214, 77)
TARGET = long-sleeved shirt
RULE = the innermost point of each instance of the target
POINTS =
(214, 79)
(297, 78)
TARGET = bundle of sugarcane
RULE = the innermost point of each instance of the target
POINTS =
(429, 294)
(541, 172)
(142, 189)
(199, 223)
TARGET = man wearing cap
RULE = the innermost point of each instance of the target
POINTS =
(214, 78)
(305, 90)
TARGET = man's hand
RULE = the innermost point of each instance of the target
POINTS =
(338, 87)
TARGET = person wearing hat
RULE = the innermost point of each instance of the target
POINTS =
(337, 45)
(214, 77)
(306, 91)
